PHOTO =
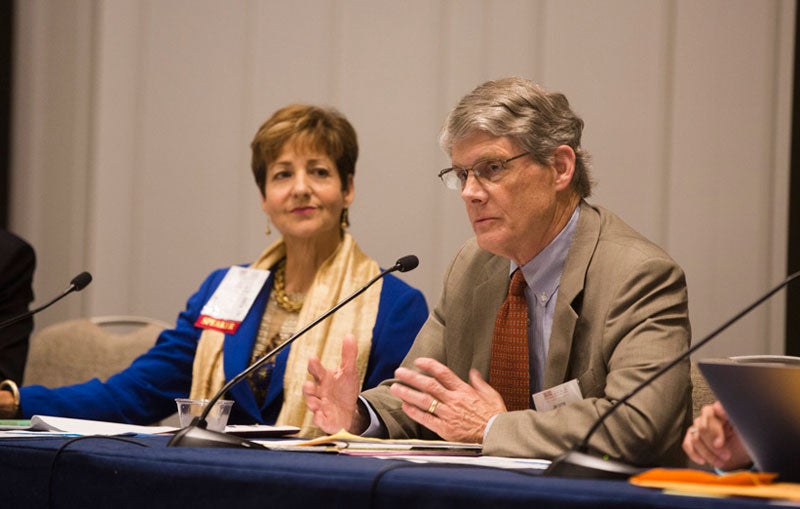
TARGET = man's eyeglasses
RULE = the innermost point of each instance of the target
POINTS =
(491, 170)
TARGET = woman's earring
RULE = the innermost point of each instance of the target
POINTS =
(268, 230)
(345, 219)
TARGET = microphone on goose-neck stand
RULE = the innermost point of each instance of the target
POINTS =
(77, 284)
(577, 463)
(196, 434)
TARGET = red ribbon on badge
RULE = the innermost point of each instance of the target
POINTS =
(225, 326)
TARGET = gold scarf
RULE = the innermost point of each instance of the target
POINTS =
(344, 272)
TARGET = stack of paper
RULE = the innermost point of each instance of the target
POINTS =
(347, 443)
(79, 427)
(67, 426)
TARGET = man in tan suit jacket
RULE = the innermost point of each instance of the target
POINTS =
(619, 311)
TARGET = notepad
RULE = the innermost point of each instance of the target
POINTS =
(14, 424)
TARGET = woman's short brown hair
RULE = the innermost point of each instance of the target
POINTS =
(312, 127)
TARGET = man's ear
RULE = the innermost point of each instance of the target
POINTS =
(564, 164)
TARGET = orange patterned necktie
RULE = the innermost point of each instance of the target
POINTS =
(508, 369)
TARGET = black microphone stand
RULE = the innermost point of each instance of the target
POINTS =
(197, 434)
(577, 463)
(77, 284)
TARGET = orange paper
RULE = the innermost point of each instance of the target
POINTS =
(739, 478)
(702, 483)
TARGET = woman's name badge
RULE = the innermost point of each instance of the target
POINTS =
(557, 396)
(232, 299)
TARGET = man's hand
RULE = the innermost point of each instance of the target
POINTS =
(333, 394)
(712, 439)
(439, 400)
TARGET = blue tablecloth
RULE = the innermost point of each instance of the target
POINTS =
(143, 472)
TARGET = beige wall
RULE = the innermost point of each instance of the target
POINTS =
(133, 119)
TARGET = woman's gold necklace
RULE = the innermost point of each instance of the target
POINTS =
(279, 289)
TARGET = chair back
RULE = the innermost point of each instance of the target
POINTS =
(78, 350)
(701, 392)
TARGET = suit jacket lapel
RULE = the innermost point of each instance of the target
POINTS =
(570, 291)
(489, 294)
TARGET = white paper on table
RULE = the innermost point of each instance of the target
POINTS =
(46, 423)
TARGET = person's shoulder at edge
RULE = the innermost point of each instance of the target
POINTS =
(13, 246)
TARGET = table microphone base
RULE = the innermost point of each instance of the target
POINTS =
(578, 465)
(195, 436)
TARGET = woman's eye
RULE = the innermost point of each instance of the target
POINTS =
(281, 174)
(321, 172)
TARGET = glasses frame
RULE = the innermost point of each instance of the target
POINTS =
(477, 175)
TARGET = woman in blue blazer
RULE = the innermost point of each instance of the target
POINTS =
(303, 161)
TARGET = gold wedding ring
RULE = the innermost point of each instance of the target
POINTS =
(434, 404)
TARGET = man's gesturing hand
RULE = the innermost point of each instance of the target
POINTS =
(333, 394)
(439, 400)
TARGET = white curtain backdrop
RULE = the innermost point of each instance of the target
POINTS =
(132, 123)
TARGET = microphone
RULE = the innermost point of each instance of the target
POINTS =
(577, 463)
(406, 263)
(196, 434)
(77, 284)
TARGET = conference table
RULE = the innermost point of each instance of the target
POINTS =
(141, 471)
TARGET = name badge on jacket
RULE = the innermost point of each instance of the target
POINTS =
(232, 299)
(557, 396)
